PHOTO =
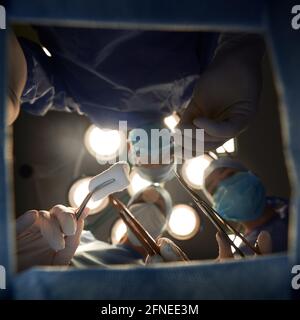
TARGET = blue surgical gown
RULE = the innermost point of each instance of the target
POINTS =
(95, 253)
(112, 75)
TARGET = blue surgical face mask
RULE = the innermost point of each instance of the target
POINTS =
(242, 197)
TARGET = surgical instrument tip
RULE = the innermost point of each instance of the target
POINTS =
(90, 194)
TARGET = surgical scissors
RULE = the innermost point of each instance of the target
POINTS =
(220, 224)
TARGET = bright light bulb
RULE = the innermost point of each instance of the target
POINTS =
(47, 52)
(184, 222)
(104, 144)
(172, 121)
(79, 191)
(193, 170)
(118, 231)
(236, 240)
(137, 183)
(228, 146)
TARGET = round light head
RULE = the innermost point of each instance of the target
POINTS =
(172, 121)
(236, 240)
(48, 53)
(193, 170)
(227, 147)
(104, 144)
(78, 192)
(184, 222)
(118, 231)
(137, 183)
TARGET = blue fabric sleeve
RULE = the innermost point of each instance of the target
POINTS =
(37, 97)
(43, 90)
(114, 75)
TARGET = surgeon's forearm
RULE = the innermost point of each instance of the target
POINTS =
(247, 48)
(238, 58)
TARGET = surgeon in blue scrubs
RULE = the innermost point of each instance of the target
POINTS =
(212, 80)
(239, 196)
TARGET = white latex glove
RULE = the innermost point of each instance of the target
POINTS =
(169, 252)
(48, 238)
(226, 96)
(264, 243)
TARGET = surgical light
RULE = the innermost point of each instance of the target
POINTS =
(227, 147)
(104, 144)
(172, 121)
(236, 240)
(79, 190)
(118, 231)
(193, 170)
(137, 183)
(47, 52)
(184, 222)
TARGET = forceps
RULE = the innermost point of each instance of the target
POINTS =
(90, 194)
(145, 238)
(143, 235)
(220, 224)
